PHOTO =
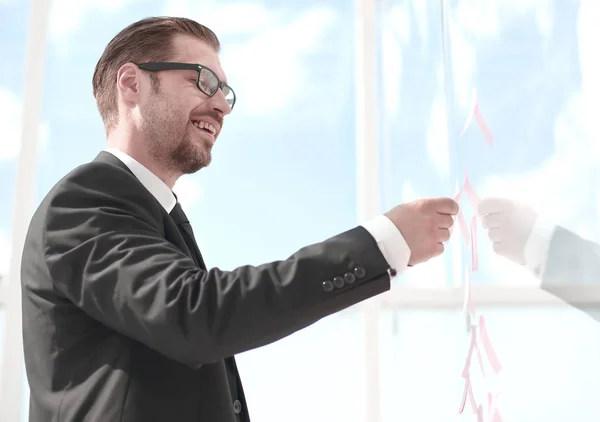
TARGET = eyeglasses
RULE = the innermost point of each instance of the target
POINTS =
(206, 80)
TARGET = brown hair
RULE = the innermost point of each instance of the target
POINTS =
(147, 40)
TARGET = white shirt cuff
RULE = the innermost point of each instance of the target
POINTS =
(536, 248)
(391, 243)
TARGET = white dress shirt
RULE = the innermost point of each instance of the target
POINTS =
(391, 243)
(536, 248)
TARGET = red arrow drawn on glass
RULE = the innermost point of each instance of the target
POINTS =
(480, 332)
(488, 347)
(479, 336)
(469, 232)
(476, 112)
(493, 413)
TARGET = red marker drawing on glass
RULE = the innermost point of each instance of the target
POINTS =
(476, 112)
(480, 347)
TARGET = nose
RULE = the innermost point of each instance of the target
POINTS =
(220, 103)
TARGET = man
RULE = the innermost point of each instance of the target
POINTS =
(557, 256)
(122, 320)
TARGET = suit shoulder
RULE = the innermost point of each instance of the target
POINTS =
(95, 184)
(97, 178)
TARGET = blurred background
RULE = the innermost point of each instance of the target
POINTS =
(346, 108)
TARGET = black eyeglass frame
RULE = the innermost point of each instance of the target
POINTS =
(160, 66)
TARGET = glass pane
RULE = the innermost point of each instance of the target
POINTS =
(415, 152)
(531, 68)
(13, 30)
(13, 33)
(315, 375)
(550, 366)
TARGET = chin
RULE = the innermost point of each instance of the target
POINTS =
(202, 158)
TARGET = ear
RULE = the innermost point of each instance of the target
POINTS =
(128, 82)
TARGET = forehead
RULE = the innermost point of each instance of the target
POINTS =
(189, 49)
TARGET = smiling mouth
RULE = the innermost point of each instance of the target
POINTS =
(205, 127)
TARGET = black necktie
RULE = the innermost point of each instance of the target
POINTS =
(186, 231)
(185, 228)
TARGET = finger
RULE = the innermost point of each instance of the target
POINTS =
(493, 205)
(501, 248)
(443, 235)
(438, 250)
(446, 206)
(491, 221)
(495, 234)
(445, 221)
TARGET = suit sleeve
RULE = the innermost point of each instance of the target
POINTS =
(106, 252)
(572, 261)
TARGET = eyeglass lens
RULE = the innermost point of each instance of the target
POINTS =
(209, 83)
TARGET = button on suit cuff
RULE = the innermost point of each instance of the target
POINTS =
(391, 243)
(536, 248)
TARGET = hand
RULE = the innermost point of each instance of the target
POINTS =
(424, 224)
(509, 226)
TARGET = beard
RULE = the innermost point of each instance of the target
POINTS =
(169, 133)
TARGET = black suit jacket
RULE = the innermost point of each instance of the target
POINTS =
(121, 324)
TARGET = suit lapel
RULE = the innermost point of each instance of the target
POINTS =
(190, 248)
(190, 240)
(183, 225)
(185, 228)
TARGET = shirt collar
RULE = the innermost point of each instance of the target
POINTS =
(163, 194)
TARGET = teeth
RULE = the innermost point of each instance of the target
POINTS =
(204, 125)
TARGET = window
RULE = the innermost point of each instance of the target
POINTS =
(284, 175)
(535, 77)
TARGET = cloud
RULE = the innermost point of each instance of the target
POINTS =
(408, 192)
(10, 120)
(11, 111)
(549, 188)
(67, 17)
(560, 187)
(395, 33)
(188, 191)
(266, 68)
(438, 148)
(474, 23)
(233, 18)
(587, 32)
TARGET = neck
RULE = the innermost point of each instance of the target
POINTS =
(136, 149)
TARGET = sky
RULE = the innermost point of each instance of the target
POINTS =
(283, 174)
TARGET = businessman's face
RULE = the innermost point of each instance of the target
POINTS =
(180, 122)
